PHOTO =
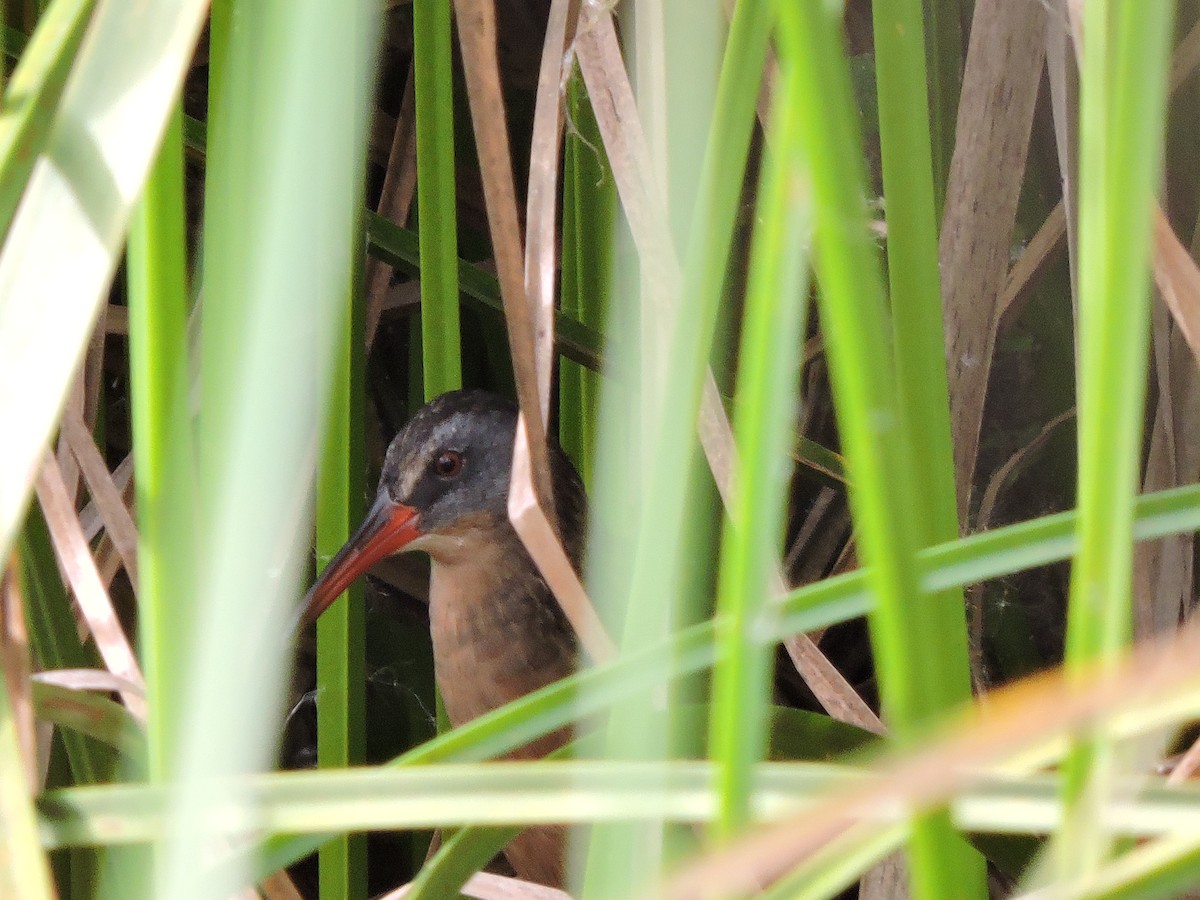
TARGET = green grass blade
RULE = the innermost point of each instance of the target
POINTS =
(944, 866)
(883, 471)
(1122, 116)
(110, 119)
(944, 46)
(31, 97)
(512, 794)
(341, 631)
(489, 794)
(437, 207)
(764, 422)
(589, 211)
(162, 433)
(436, 202)
(341, 638)
(165, 484)
(277, 260)
(93, 715)
(912, 248)
(461, 855)
(917, 323)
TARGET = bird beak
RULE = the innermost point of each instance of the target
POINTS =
(389, 527)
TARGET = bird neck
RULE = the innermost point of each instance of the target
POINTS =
(498, 633)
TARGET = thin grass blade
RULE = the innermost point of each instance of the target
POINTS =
(162, 432)
(436, 200)
(1123, 106)
(764, 421)
(279, 250)
(884, 475)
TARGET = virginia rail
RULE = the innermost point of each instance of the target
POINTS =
(498, 633)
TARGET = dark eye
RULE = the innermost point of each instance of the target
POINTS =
(448, 463)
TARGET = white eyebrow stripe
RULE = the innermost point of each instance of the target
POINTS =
(409, 476)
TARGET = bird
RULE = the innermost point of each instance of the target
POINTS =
(497, 631)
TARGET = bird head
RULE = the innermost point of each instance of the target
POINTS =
(444, 484)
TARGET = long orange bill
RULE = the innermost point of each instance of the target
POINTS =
(389, 527)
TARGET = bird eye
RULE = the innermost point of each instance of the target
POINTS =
(448, 463)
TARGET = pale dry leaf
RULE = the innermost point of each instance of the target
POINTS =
(93, 368)
(279, 886)
(395, 201)
(1074, 11)
(88, 680)
(118, 523)
(1159, 567)
(995, 118)
(108, 561)
(626, 147)
(14, 653)
(829, 686)
(76, 560)
(820, 521)
(546, 551)
(1185, 59)
(886, 880)
(1187, 766)
(824, 546)
(486, 886)
(1018, 289)
(383, 128)
(718, 443)
(1178, 280)
(1163, 569)
(477, 35)
(531, 496)
(122, 476)
(541, 221)
(1016, 717)
(116, 320)
(66, 460)
(650, 75)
